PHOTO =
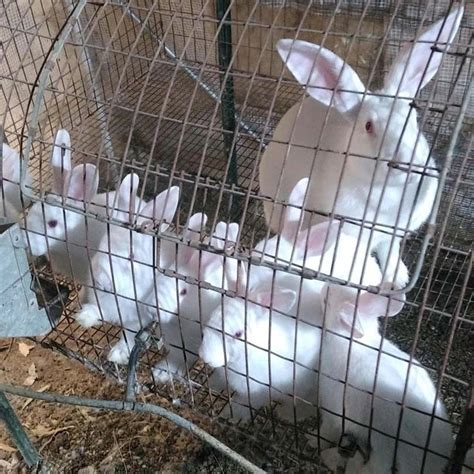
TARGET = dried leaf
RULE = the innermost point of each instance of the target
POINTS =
(6, 448)
(41, 431)
(32, 376)
(25, 348)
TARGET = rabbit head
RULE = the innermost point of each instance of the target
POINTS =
(349, 312)
(208, 267)
(47, 223)
(385, 123)
(124, 262)
(240, 327)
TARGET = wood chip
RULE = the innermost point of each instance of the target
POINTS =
(25, 349)
(6, 448)
(32, 376)
(41, 431)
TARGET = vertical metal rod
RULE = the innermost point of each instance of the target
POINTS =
(464, 437)
(20, 438)
(228, 103)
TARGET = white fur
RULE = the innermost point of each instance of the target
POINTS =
(347, 379)
(123, 271)
(182, 335)
(314, 249)
(11, 205)
(71, 243)
(302, 126)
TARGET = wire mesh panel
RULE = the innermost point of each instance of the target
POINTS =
(250, 183)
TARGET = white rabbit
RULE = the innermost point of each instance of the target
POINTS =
(182, 335)
(240, 334)
(68, 238)
(349, 159)
(123, 271)
(11, 205)
(354, 368)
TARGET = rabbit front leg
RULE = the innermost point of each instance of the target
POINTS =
(182, 339)
(391, 264)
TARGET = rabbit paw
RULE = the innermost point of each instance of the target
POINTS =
(120, 353)
(88, 316)
(163, 372)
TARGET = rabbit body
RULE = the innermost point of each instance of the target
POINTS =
(123, 272)
(351, 372)
(345, 139)
(182, 334)
(259, 351)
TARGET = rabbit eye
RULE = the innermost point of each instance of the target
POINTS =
(52, 223)
(183, 292)
(238, 334)
(369, 127)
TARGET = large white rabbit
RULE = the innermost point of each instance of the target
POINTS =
(357, 362)
(351, 173)
(195, 303)
(123, 269)
(11, 205)
(68, 238)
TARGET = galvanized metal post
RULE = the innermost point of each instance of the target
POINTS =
(20, 438)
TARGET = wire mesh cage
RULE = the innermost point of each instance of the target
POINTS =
(233, 197)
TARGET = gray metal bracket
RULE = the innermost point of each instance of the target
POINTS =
(20, 315)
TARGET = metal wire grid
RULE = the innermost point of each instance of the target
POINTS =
(129, 146)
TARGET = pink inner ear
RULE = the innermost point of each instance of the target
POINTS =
(349, 320)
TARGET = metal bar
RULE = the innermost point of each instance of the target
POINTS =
(118, 405)
(224, 41)
(464, 437)
(19, 435)
(141, 344)
(209, 89)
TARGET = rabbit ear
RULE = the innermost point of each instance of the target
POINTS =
(61, 161)
(319, 70)
(312, 245)
(416, 64)
(83, 183)
(162, 208)
(292, 216)
(281, 299)
(10, 163)
(370, 306)
(126, 195)
(224, 234)
(197, 223)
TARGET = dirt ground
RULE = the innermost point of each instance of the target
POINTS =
(75, 439)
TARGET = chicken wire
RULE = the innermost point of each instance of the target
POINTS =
(147, 87)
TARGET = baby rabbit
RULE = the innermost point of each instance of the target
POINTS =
(182, 335)
(68, 238)
(11, 205)
(357, 362)
(123, 271)
(254, 338)
(365, 135)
